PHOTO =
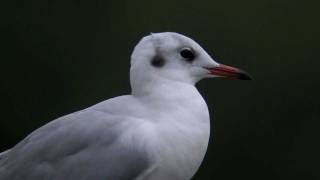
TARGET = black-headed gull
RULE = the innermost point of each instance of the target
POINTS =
(159, 132)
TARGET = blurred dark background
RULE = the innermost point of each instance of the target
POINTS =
(61, 56)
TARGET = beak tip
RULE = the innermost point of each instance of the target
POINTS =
(245, 76)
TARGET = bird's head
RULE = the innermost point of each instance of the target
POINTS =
(175, 57)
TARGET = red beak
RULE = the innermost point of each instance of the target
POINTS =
(229, 72)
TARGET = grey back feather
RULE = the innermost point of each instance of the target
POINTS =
(84, 146)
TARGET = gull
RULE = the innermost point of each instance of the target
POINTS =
(158, 132)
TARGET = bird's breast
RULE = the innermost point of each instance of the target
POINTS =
(180, 139)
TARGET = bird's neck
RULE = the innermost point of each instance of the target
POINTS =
(172, 96)
(162, 88)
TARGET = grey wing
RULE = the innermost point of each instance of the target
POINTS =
(85, 146)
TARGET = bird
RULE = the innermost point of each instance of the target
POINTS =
(160, 131)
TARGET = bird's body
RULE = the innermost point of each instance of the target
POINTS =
(82, 141)
(160, 131)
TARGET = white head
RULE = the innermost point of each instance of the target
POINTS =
(171, 56)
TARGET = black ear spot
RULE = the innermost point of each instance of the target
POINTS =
(157, 61)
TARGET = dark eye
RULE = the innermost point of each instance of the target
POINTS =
(187, 54)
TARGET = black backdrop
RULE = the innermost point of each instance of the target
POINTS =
(61, 56)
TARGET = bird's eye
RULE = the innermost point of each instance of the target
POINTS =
(187, 54)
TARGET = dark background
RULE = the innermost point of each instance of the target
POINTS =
(61, 56)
